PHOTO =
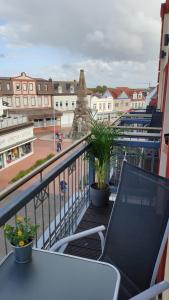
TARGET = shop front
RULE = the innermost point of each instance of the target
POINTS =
(15, 146)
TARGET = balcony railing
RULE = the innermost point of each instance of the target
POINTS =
(12, 121)
(57, 198)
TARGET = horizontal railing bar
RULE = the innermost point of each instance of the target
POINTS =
(19, 201)
(5, 192)
(137, 128)
(140, 134)
(141, 115)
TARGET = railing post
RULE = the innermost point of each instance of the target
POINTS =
(91, 173)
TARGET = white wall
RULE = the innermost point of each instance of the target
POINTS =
(9, 139)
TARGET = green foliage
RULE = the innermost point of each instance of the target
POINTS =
(22, 233)
(101, 147)
(99, 89)
(38, 163)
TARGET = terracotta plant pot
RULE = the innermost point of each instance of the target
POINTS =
(99, 197)
(23, 254)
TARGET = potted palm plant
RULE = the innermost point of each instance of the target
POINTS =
(100, 148)
(21, 237)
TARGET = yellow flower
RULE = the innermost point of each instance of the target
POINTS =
(19, 219)
(21, 243)
(19, 232)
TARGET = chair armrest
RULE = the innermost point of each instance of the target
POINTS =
(153, 291)
(79, 235)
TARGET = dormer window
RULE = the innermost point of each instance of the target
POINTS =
(8, 86)
(135, 96)
(140, 96)
(59, 89)
(56, 86)
(72, 90)
(68, 86)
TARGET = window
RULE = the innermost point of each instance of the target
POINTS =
(31, 86)
(72, 89)
(116, 104)
(60, 104)
(59, 89)
(0, 87)
(135, 96)
(56, 104)
(17, 101)
(9, 101)
(25, 101)
(46, 101)
(73, 104)
(39, 101)
(55, 86)
(18, 86)
(46, 87)
(33, 101)
(94, 106)
(127, 104)
(24, 86)
(100, 106)
(140, 96)
(109, 105)
(66, 103)
(104, 106)
(8, 86)
(39, 87)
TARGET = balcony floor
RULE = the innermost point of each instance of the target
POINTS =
(90, 247)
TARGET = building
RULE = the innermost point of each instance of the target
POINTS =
(31, 97)
(138, 98)
(16, 140)
(163, 106)
(65, 98)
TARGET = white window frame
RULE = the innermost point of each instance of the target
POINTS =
(24, 86)
(17, 101)
(46, 101)
(25, 101)
(8, 86)
(18, 86)
(39, 101)
(33, 101)
(30, 86)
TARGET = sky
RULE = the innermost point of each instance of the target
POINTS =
(115, 42)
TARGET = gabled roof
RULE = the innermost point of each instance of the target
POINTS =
(116, 92)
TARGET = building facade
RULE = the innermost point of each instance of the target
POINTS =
(64, 100)
(163, 105)
(31, 97)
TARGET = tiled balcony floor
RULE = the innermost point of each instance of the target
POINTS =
(90, 247)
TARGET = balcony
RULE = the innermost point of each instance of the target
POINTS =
(6, 122)
(62, 211)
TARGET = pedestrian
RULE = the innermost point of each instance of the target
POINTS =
(58, 148)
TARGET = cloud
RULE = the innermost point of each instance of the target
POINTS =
(2, 55)
(119, 73)
(99, 29)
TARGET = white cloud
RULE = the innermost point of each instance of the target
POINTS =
(109, 36)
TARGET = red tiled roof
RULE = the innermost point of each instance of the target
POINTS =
(116, 92)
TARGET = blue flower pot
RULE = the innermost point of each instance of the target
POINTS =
(23, 254)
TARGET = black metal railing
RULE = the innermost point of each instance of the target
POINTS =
(55, 203)
(56, 195)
